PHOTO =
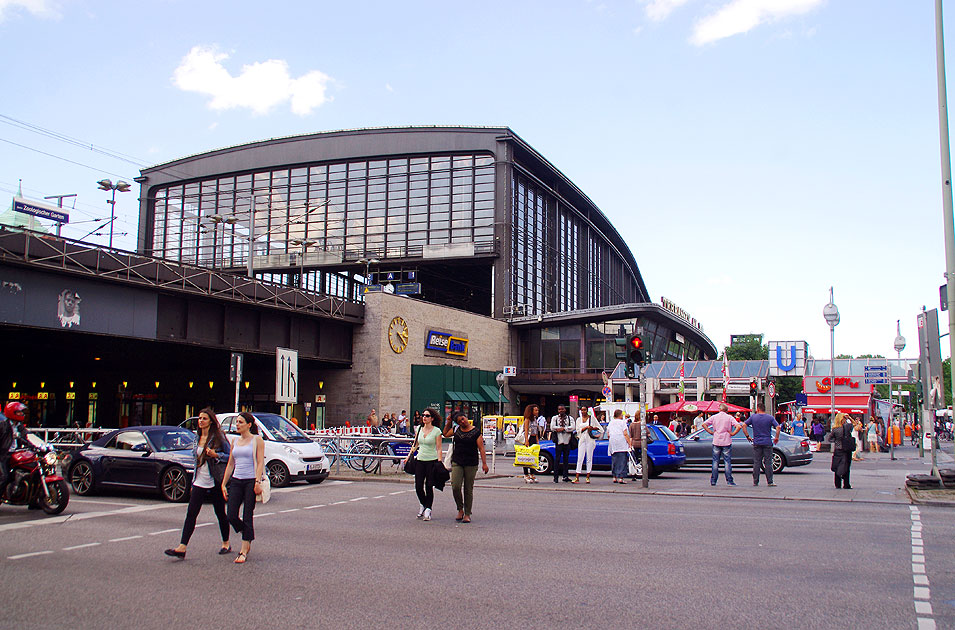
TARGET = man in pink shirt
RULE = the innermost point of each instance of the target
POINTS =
(722, 427)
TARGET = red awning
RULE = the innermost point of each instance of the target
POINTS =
(845, 403)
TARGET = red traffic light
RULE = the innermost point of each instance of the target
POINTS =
(635, 343)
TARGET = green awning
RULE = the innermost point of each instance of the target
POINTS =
(493, 395)
(474, 397)
(456, 396)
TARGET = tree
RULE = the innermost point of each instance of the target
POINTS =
(750, 350)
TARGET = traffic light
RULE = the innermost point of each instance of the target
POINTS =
(753, 388)
(621, 348)
(919, 392)
(634, 355)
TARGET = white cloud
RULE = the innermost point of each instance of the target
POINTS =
(39, 8)
(741, 16)
(389, 88)
(659, 10)
(260, 86)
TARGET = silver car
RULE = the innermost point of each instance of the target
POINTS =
(790, 451)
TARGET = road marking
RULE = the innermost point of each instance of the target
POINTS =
(72, 500)
(918, 567)
(287, 511)
(124, 538)
(380, 496)
(204, 525)
(312, 507)
(394, 493)
(81, 546)
(357, 499)
(925, 624)
(165, 531)
(339, 502)
(339, 482)
(917, 557)
(922, 592)
(923, 608)
(266, 514)
(920, 579)
(28, 555)
(57, 520)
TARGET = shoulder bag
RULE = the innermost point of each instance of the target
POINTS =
(412, 462)
(266, 486)
(447, 457)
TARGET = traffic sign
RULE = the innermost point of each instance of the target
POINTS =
(772, 389)
(607, 392)
(876, 380)
(286, 375)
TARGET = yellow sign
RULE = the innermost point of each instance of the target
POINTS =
(42, 395)
(14, 395)
(71, 395)
(93, 395)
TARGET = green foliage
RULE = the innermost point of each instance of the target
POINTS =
(751, 350)
(787, 387)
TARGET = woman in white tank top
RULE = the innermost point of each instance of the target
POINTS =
(241, 483)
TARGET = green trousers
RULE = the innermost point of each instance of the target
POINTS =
(462, 477)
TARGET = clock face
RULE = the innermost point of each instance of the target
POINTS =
(398, 335)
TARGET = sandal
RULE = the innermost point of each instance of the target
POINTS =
(240, 559)
(224, 550)
(575, 481)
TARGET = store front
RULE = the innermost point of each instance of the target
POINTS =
(451, 388)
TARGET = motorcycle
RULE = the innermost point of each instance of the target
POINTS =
(34, 481)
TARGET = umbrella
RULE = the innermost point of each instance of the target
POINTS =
(693, 406)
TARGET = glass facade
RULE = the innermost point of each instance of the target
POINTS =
(590, 348)
(560, 263)
(388, 208)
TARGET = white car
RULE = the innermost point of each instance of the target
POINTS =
(290, 455)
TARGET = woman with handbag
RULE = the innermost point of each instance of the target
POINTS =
(467, 446)
(843, 444)
(528, 435)
(588, 430)
(428, 441)
(211, 454)
(241, 482)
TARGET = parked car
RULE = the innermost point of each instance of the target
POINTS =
(664, 454)
(289, 454)
(790, 451)
(157, 458)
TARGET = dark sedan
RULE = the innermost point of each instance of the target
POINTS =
(790, 451)
(157, 458)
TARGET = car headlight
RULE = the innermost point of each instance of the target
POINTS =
(292, 451)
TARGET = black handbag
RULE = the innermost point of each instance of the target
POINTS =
(412, 462)
(574, 442)
(217, 470)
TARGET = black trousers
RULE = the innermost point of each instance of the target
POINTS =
(196, 499)
(561, 460)
(424, 490)
(242, 494)
(842, 480)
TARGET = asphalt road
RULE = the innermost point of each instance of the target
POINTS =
(353, 554)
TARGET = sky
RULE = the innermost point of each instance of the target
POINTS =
(752, 153)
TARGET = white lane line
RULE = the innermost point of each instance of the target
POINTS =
(925, 624)
(920, 579)
(918, 567)
(380, 496)
(357, 499)
(394, 493)
(124, 538)
(266, 514)
(312, 507)
(923, 592)
(165, 531)
(28, 555)
(339, 482)
(83, 546)
(339, 502)
(72, 500)
(204, 525)
(916, 557)
(923, 608)
(57, 520)
(287, 511)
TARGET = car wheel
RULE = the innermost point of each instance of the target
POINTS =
(174, 484)
(278, 474)
(779, 462)
(652, 472)
(81, 478)
(546, 463)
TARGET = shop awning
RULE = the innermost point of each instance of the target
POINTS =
(493, 395)
(463, 396)
(820, 403)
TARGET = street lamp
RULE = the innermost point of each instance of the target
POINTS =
(368, 262)
(305, 243)
(831, 313)
(899, 347)
(216, 220)
(121, 186)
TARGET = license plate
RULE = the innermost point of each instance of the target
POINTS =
(311, 467)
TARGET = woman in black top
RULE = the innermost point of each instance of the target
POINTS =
(468, 445)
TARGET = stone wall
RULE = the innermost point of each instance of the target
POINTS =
(380, 378)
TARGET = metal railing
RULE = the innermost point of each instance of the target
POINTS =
(61, 435)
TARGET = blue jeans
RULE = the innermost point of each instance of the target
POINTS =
(725, 453)
(618, 464)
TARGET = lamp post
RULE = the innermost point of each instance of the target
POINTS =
(305, 243)
(831, 314)
(121, 186)
(368, 262)
(899, 346)
(216, 220)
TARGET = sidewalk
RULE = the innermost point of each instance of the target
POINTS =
(876, 479)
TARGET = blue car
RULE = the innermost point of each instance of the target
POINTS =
(664, 454)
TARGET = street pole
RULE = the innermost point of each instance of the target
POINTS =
(644, 482)
(831, 314)
(899, 345)
(59, 204)
(946, 183)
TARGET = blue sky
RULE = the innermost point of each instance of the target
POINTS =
(753, 153)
